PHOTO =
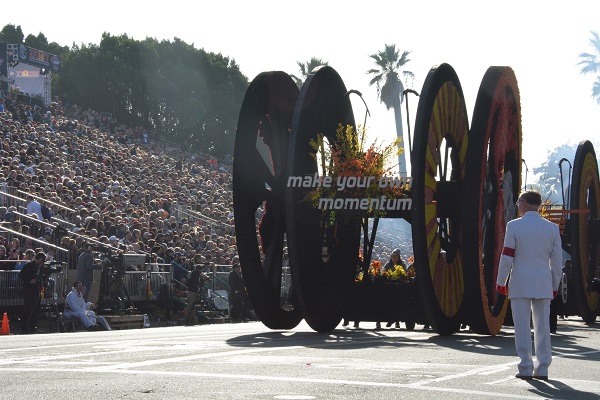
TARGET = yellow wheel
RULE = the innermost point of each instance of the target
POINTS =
(441, 139)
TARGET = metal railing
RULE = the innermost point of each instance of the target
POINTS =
(11, 287)
(142, 286)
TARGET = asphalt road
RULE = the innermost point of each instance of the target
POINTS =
(250, 361)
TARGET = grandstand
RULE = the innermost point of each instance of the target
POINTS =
(98, 180)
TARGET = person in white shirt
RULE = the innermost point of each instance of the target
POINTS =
(33, 207)
(532, 256)
(76, 306)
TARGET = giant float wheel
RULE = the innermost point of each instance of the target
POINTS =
(259, 179)
(323, 251)
(440, 149)
(492, 182)
(585, 251)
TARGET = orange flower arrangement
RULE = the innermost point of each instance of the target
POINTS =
(375, 268)
(348, 157)
(373, 272)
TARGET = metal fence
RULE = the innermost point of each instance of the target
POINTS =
(141, 286)
(55, 289)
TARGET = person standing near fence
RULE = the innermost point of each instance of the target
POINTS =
(532, 256)
(237, 288)
(31, 293)
(194, 284)
(85, 269)
(180, 272)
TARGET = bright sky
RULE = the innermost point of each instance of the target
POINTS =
(540, 40)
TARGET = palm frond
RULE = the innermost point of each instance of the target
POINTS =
(595, 41)
(297, 80)
(589, 61)
(379, 60)
(403, 59)
(376, 79)
(596, 90)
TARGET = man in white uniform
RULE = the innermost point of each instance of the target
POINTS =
(76, 306)
(532, 255)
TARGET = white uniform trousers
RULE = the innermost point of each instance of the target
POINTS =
(88, 318)
(522, 309)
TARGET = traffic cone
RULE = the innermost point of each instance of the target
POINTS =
(5, 330)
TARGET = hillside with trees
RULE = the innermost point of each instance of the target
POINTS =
(181, 93)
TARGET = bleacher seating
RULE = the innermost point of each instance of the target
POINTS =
(100, 180)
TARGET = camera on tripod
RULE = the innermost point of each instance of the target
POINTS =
(49, 268)
(112, 262)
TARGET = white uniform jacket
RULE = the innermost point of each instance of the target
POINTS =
(532, 255)
(75, 302)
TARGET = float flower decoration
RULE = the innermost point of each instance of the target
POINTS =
(354, 170)
(375, 269)
(397, 274)
(374, 272)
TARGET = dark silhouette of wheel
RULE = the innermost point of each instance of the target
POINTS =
(323, 246)
(259, 181)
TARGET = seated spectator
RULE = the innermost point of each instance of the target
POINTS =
(5, 266)
(76, 306)
(29, 256)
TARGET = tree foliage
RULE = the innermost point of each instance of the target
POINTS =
(590, 64)
(11, 34)
(549, 173)
(183, 94)
(386, 77)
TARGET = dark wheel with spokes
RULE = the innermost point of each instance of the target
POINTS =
(585, 249)
(440, 149)
(492, 182)
(259, 179)
(323, 247)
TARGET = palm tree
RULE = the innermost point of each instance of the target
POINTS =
(306, 68)
(389, 87)
(591, 64)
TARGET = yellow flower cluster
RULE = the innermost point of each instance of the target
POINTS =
(400, 274)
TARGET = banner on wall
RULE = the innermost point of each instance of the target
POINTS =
(27, 79)
(35, 57)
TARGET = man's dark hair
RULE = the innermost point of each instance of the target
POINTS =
(40, 255)
(76, 283)
(532, 197)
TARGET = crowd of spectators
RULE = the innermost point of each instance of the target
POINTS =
(392, 234)
(112, 184)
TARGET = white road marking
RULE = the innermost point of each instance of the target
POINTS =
(253, 346)
(225, 376)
